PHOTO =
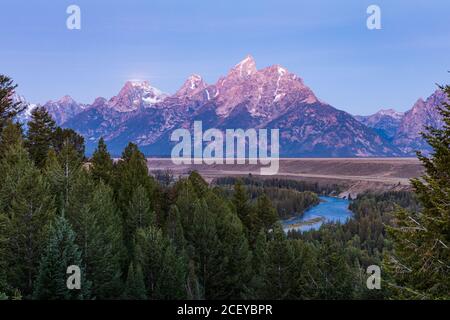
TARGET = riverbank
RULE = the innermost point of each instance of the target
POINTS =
(330, 209)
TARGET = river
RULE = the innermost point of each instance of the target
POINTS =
(329, 209)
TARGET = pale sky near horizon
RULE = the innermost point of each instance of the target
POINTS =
(325, 42)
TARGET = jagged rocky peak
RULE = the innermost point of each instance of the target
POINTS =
(390, 113)
(25, 115)
(191, 86)
(246, 97)
(287, 84)
(195, 81)
(277, 71)
(423, 113)
(244, 68)
(66, 100)
(418, 106)
(132, 87)
(99, 102)
(136, 94)
(64, 108)
(265, 93)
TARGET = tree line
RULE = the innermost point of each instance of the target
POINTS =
(135, 237)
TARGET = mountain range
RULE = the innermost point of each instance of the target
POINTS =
(246, 97)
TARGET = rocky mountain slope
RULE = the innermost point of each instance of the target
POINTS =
(246, 97)
(403, 129)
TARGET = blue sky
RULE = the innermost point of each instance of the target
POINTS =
(326, 43)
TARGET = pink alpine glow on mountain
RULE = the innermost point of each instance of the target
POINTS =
(246, 97)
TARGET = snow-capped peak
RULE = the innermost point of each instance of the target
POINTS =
(191, 86)
(391, 113)
(246, 67)
(194, 81)
(138, 83)
(25, 115)
(140, 86)
(281, 71)
(135, 94)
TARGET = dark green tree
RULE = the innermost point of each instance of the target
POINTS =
(174, 228)
(204, 242)
(134, 285)
(241, 203)
(60, 253)
(164, 270)
(131, 172)
(231, 262)
(63, 137)
(139, 213)
(40, 132)
(266, 212)
(12, 134)
(419, 266)
(280, 266)
(102, 164)
(185, 202)
(69, 181)
(305, 271)
(336, 278)
(194, 290)
(99, 236)
(3, 252)
(8, 107)
(259, 267)
(198, 183)
(26, 201)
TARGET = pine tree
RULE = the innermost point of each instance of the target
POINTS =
(63, 137)
(336, 278)
(280, 266)
(174, 228)
(99, 236)
(241, 203)
(204, 243)
(194, 290)
(102, 164)
(41, 128)
(11, 135)
(185, 202)
(139, 213)
(266, 212)
(131, 172)
(165, 271)
(259, 267)
(69, 181)
(3, 252)
(420, 264)
(60, 253)
(198, 183)
(134, 286)
(54, 175)
(8, 107)
(261, 216)
(26, 200)
(231, 264)
(305, 272)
